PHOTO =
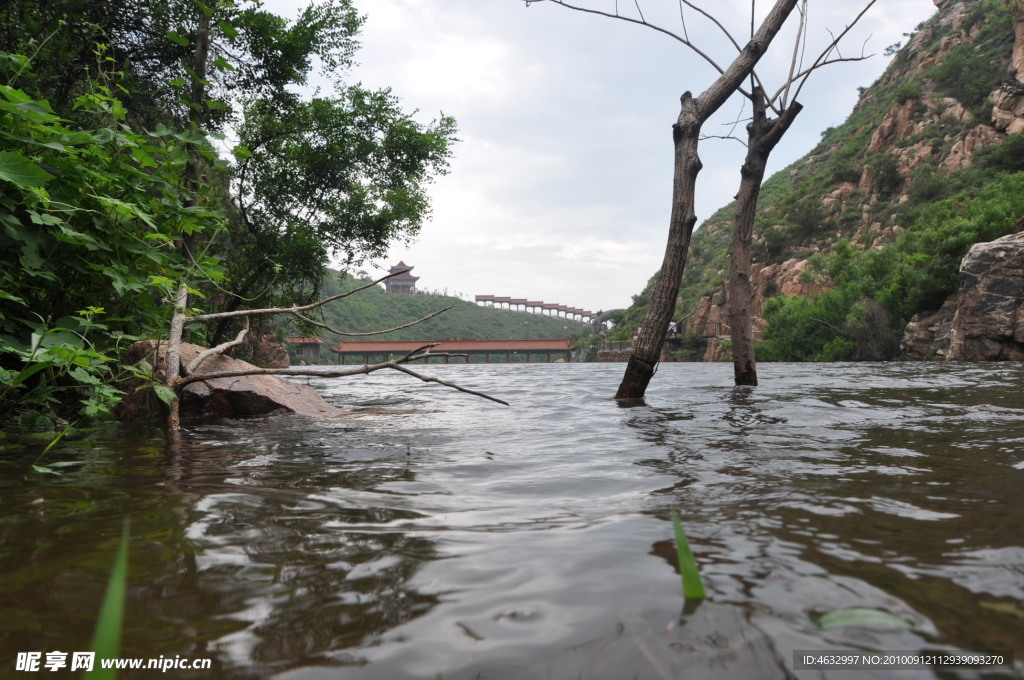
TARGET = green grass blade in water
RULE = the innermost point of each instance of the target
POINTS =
(107, 640)
(693, 586)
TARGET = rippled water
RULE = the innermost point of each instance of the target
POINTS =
(435, 533)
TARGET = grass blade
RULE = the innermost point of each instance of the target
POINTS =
(106, 642)
(693, 586)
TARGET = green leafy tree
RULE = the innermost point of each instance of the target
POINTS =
(334, 178)
(112, 196)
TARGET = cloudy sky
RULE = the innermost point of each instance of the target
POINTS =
(559, 189)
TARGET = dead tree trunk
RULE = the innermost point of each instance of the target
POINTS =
(686, 135)
(763, 134)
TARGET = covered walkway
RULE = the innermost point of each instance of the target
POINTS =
(538, 307)
(486, 351)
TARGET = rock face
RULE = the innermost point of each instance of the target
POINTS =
(989, 320)
(266, 351)
(253, 395)
(785, 278)
(926, 337)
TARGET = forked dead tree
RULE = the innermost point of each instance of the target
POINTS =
(178, 376)
(764, 134)
(686, 132)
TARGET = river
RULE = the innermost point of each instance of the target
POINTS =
(434, 533)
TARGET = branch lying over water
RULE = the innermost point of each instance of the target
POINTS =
(396, 364)
(178, 377)
(425, 378)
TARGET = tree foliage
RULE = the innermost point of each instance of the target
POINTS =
(327, 178)
(113, 115)
(90, 214)
(874, 293)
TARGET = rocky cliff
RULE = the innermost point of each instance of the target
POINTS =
(989, 321)
(950, 98)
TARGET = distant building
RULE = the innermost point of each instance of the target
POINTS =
(403, 284)
(306, 350)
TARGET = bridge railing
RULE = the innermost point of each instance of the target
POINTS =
(615, 346)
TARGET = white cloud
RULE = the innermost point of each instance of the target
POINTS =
(560, 187)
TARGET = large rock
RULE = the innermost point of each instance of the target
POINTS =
(252, 395)
(926, 337)
(989, 321)
(267, 351)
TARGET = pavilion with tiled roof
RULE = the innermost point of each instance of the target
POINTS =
(403, 284)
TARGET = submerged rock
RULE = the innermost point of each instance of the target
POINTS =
(989, 321)
(251, 395)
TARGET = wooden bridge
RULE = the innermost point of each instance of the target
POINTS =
(484, 350)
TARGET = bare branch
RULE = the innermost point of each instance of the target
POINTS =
(801, 38)
(425, 378)
(642, 22)
(360, 335)
(755, 78)
(219, 349)
(731, 138)
(340, 373)
(639, 11)
(421, 352)
(173, 355)
(716, 22)
(682, 20)
(731, 80)
(823, 58)
(287, 310)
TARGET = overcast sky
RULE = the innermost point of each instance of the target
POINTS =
(559, 189)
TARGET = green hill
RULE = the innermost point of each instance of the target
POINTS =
(374, 309)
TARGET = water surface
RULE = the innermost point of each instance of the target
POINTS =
(432, 532)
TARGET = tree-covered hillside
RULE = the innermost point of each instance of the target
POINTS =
(374, 309)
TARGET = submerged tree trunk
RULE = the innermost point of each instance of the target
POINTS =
(686, 135)
(762, 136)
(651, 336)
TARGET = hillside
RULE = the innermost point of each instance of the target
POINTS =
(373, 309)
(868, 229)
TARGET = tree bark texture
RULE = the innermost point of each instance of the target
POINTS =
(762, 136)
(173, 357)
(196, 118)
(686, 135)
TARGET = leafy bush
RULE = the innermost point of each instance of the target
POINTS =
(91, 218)
(968, 75)
(884, 169)
(875, 292)
(907, 90)
(1006, 157)
(805, 329)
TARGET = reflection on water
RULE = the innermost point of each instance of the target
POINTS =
(431, 532)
